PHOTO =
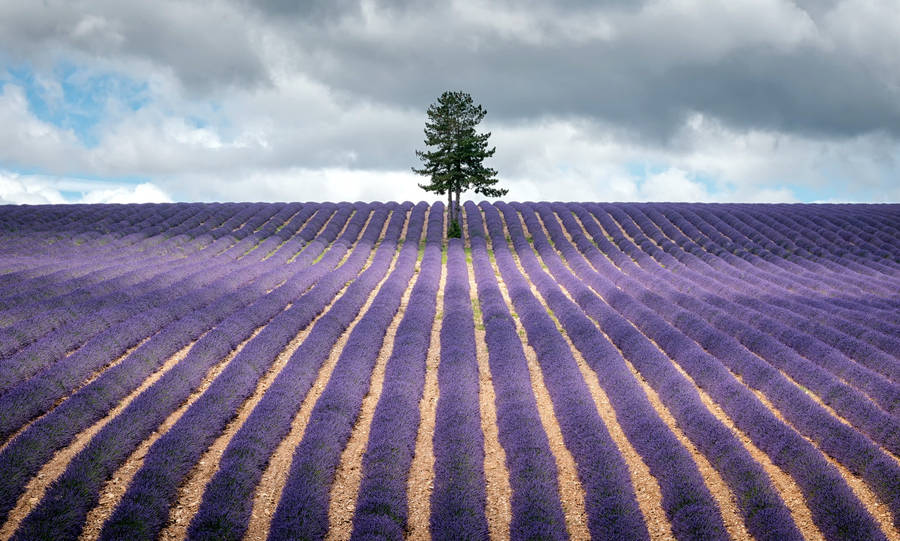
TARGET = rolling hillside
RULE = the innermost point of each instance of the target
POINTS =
(565, 370)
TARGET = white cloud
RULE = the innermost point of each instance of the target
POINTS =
(140, 193)
(25, 139)
(18, 189)
(674, 185)
(298, 184)
(323, 149)
(15, 190)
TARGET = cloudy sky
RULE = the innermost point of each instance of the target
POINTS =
(274, 100)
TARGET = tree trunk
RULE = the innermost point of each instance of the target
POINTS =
(449, 207)
(458, 210)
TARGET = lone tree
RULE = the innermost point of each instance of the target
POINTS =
(455, 163)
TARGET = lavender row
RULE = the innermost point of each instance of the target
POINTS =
(144, 509)
(730, 284)
(78, 271)
(536, 509)
(87, 405)
(458, 495)
(38, 238)
(775, 270)
(734, 284)
(810, 305)
(819, 239)
(794, 257)
(864, 290)
(82, 329)
(789, 257)
(66, 250)
(829, 312)
(843, 228)
(858, 453)
(212, 253)
(839, 242)
(686, 500)
(746, 478)
(381, 506)
(302, 511)
(611, 505)
(62, 511)
(835, 509)
(32, 448)
(828, 345)
(810, 244)
(131, 233)
(804, 269)
(185, 238)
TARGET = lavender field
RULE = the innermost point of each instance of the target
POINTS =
(343, 371)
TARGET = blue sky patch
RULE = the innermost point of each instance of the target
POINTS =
(78, 99)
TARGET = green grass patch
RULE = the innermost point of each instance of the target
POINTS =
(476, 312)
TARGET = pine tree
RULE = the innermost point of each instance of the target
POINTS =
(455, 163)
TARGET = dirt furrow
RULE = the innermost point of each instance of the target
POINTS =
(190, 494)
(646, 488)
(571, 492)
(496, 476)
(421, 472)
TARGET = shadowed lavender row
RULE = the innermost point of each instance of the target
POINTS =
(765, 513)
(33, 396)
(149, 283)
(829, 364)
(804, 309)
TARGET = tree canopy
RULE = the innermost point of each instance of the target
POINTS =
(454, 160)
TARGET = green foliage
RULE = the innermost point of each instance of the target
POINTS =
(453, 230)
(456, 151)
